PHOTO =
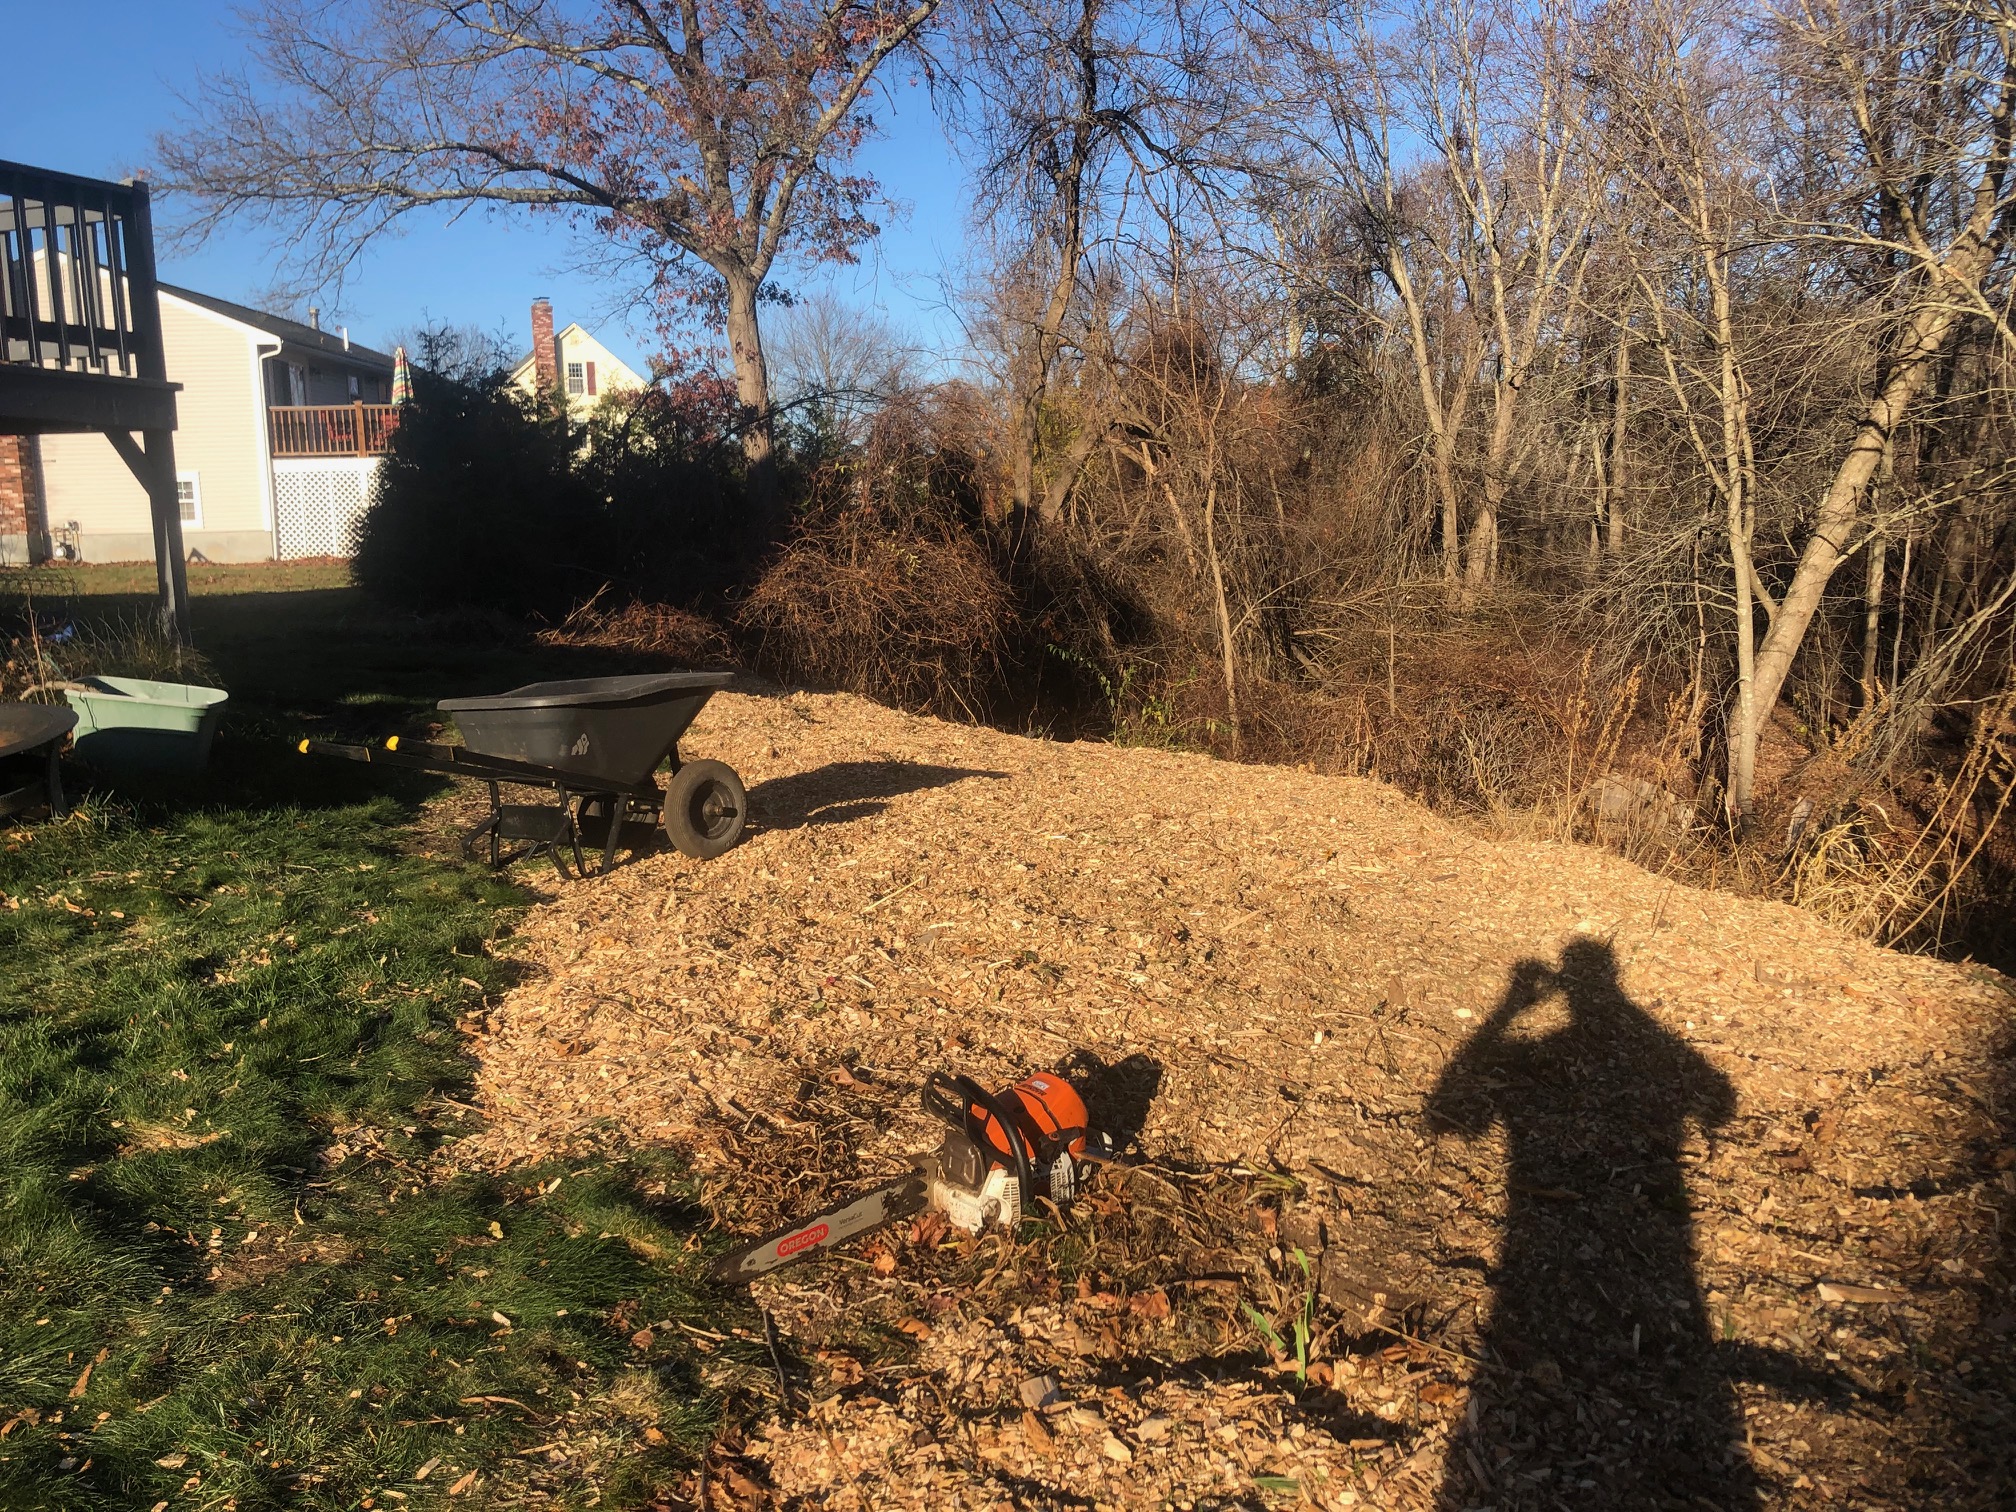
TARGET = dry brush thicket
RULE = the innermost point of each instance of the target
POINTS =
(1592, 416)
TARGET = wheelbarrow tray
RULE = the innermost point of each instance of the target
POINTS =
(606, 729)
(32, 733)
(137, 724)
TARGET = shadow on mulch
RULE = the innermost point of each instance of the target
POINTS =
(1600, 1344)
(1973, 1403)
(1118, 1096)
(843, 791)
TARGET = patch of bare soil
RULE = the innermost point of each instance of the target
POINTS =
(1474, 1174)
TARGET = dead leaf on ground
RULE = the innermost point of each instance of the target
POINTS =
(83, 1381)
(1149, 1304)
(1038, 1436)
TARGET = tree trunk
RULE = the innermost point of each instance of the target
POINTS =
(752, 392)
(1050, 506)
(1872, 618)
(1227, 648)
(1022, 423)
(1441, 425)
(1620, 415)
(1481, 550)
(1744, 728)
(1042, 343)
(1600, 471)
(1903, 607)
(1930, 324)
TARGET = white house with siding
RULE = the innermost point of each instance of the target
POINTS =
(281, 428)
(572, 361)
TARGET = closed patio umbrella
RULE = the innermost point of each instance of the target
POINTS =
(402, 377)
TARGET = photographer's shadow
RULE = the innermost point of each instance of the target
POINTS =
(1602, 1384)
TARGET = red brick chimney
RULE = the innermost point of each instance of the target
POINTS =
(545, 355)
(22, 511)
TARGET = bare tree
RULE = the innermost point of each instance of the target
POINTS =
(465, 353)
(1685, 127)
(838, 363)
(1080, 110)
(1452, 137)
(705, 138)
(1928, 93)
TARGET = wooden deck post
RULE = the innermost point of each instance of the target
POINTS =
(157, 469)
(152, 461)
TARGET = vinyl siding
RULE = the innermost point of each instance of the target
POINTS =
(330, 384)
(219, 414)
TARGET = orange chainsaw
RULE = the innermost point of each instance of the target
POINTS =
(1001, 1152)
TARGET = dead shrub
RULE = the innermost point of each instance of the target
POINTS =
(894, 615)
(889, 588)
(49, 651)
(657, 631)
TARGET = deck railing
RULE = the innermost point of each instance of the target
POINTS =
(333, 430)
(76, 272)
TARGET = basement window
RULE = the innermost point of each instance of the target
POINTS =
(189, 497)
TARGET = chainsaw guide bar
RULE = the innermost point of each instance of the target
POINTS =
(872, 1209)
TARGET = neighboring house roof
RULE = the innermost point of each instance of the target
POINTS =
(292, 332)
(523, 370)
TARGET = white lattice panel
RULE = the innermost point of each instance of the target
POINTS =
(318, 506)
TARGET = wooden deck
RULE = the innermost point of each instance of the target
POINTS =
(80, 329)
(80, 337)
(332, 430)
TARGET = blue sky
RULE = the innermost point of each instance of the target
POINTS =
(481, 270)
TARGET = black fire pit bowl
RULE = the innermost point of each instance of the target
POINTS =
(613, 728)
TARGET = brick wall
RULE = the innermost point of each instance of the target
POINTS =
(22, 511)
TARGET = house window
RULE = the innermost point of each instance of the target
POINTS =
(356, 388)
(189, 497)
(577, 378)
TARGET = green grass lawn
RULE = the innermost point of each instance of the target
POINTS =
(232, 1274)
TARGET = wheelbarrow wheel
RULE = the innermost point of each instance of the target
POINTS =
(705, 809)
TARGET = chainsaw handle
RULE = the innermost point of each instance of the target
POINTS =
(952, 1100)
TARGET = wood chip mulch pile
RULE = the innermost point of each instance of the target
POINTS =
(1473, 1173)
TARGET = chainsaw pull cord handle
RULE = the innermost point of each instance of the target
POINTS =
(953, 1099)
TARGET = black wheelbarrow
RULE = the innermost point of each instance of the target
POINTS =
(30, 736)
(595, 742)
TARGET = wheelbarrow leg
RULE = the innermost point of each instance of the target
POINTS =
(565, 832)
(496, 820)
(475, 832)
(57, 809)
(619, 816)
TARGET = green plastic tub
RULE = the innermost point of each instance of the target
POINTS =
(140, 725)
